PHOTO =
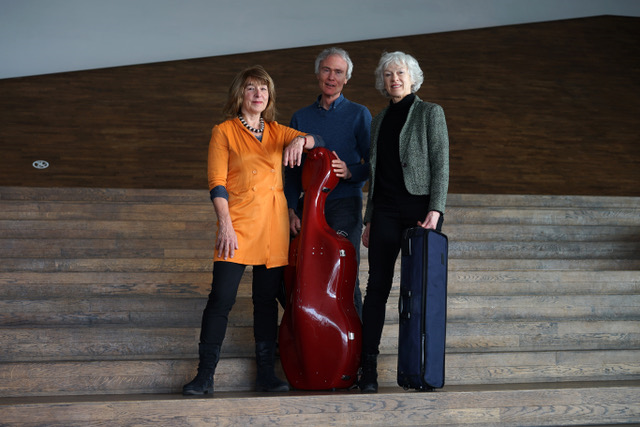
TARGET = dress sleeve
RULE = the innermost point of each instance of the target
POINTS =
(218, 160)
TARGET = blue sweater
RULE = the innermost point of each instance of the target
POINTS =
(345, 128)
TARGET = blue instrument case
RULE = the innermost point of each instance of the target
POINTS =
(423, 309)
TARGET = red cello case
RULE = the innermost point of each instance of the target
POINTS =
(320, 332)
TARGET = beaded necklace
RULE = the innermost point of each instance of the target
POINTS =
(252, 129)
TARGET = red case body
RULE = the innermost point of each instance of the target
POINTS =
(320, 332)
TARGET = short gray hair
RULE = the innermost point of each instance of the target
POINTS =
(335, 51)
(399, 58)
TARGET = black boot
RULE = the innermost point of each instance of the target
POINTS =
(265, 359)
(203, 382)
(368, 382)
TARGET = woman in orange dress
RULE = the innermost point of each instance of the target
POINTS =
(247, 153)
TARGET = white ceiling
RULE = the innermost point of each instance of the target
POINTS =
(48, 36)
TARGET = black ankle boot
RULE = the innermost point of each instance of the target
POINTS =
(265, 359)
(368, 382)
(203, 382)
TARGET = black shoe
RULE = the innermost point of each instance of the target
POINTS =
(369, 387)
(368, 382)
(203, 382)
(265, 359)
(272, 384)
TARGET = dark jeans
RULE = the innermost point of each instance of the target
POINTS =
(385, 241)
(224, 288)
(345, 217)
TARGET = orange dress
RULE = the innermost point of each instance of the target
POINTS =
(252, 173)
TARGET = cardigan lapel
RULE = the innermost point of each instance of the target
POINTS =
(404, 142)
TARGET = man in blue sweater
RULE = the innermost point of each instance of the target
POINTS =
(345, 127)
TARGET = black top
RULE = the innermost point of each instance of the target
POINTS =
(389, 181)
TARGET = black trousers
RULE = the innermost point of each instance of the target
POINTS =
(385, 241)
(224, 289)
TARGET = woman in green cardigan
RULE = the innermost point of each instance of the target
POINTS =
(408, 187)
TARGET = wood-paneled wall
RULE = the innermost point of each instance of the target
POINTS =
(545, 108)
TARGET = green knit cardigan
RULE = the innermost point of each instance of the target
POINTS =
(424, 154)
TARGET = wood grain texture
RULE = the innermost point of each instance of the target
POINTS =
(572, 404)
(544, 108)
(101, 291)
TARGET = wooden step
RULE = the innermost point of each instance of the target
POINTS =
(546, 282)
(237, 372)
(541, 233)
(584, 403)
(142, 311)
(202, 249)
(29, 284)
(179, 265)
(83, 229)
(121, 343)
(54, 265)
(566, 216)
(37, 285)
(118, 195)
(106, 211)
(540, 201)
(106, 248)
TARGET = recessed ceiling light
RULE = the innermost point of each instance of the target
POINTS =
(40, 164)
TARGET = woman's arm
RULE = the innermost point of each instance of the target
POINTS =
(218, 165)
(438, 147)
(293, 151)
(226, 241)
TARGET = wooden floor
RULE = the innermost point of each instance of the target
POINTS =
(544, 108)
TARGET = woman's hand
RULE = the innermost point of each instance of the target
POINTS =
(431, 221)
(293, 152)
(294, 223)
(340, 168)
(365, 235)
(227, 240)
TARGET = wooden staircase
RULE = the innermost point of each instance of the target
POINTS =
(102, 291)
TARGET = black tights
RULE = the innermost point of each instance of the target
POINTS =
(224, 288)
